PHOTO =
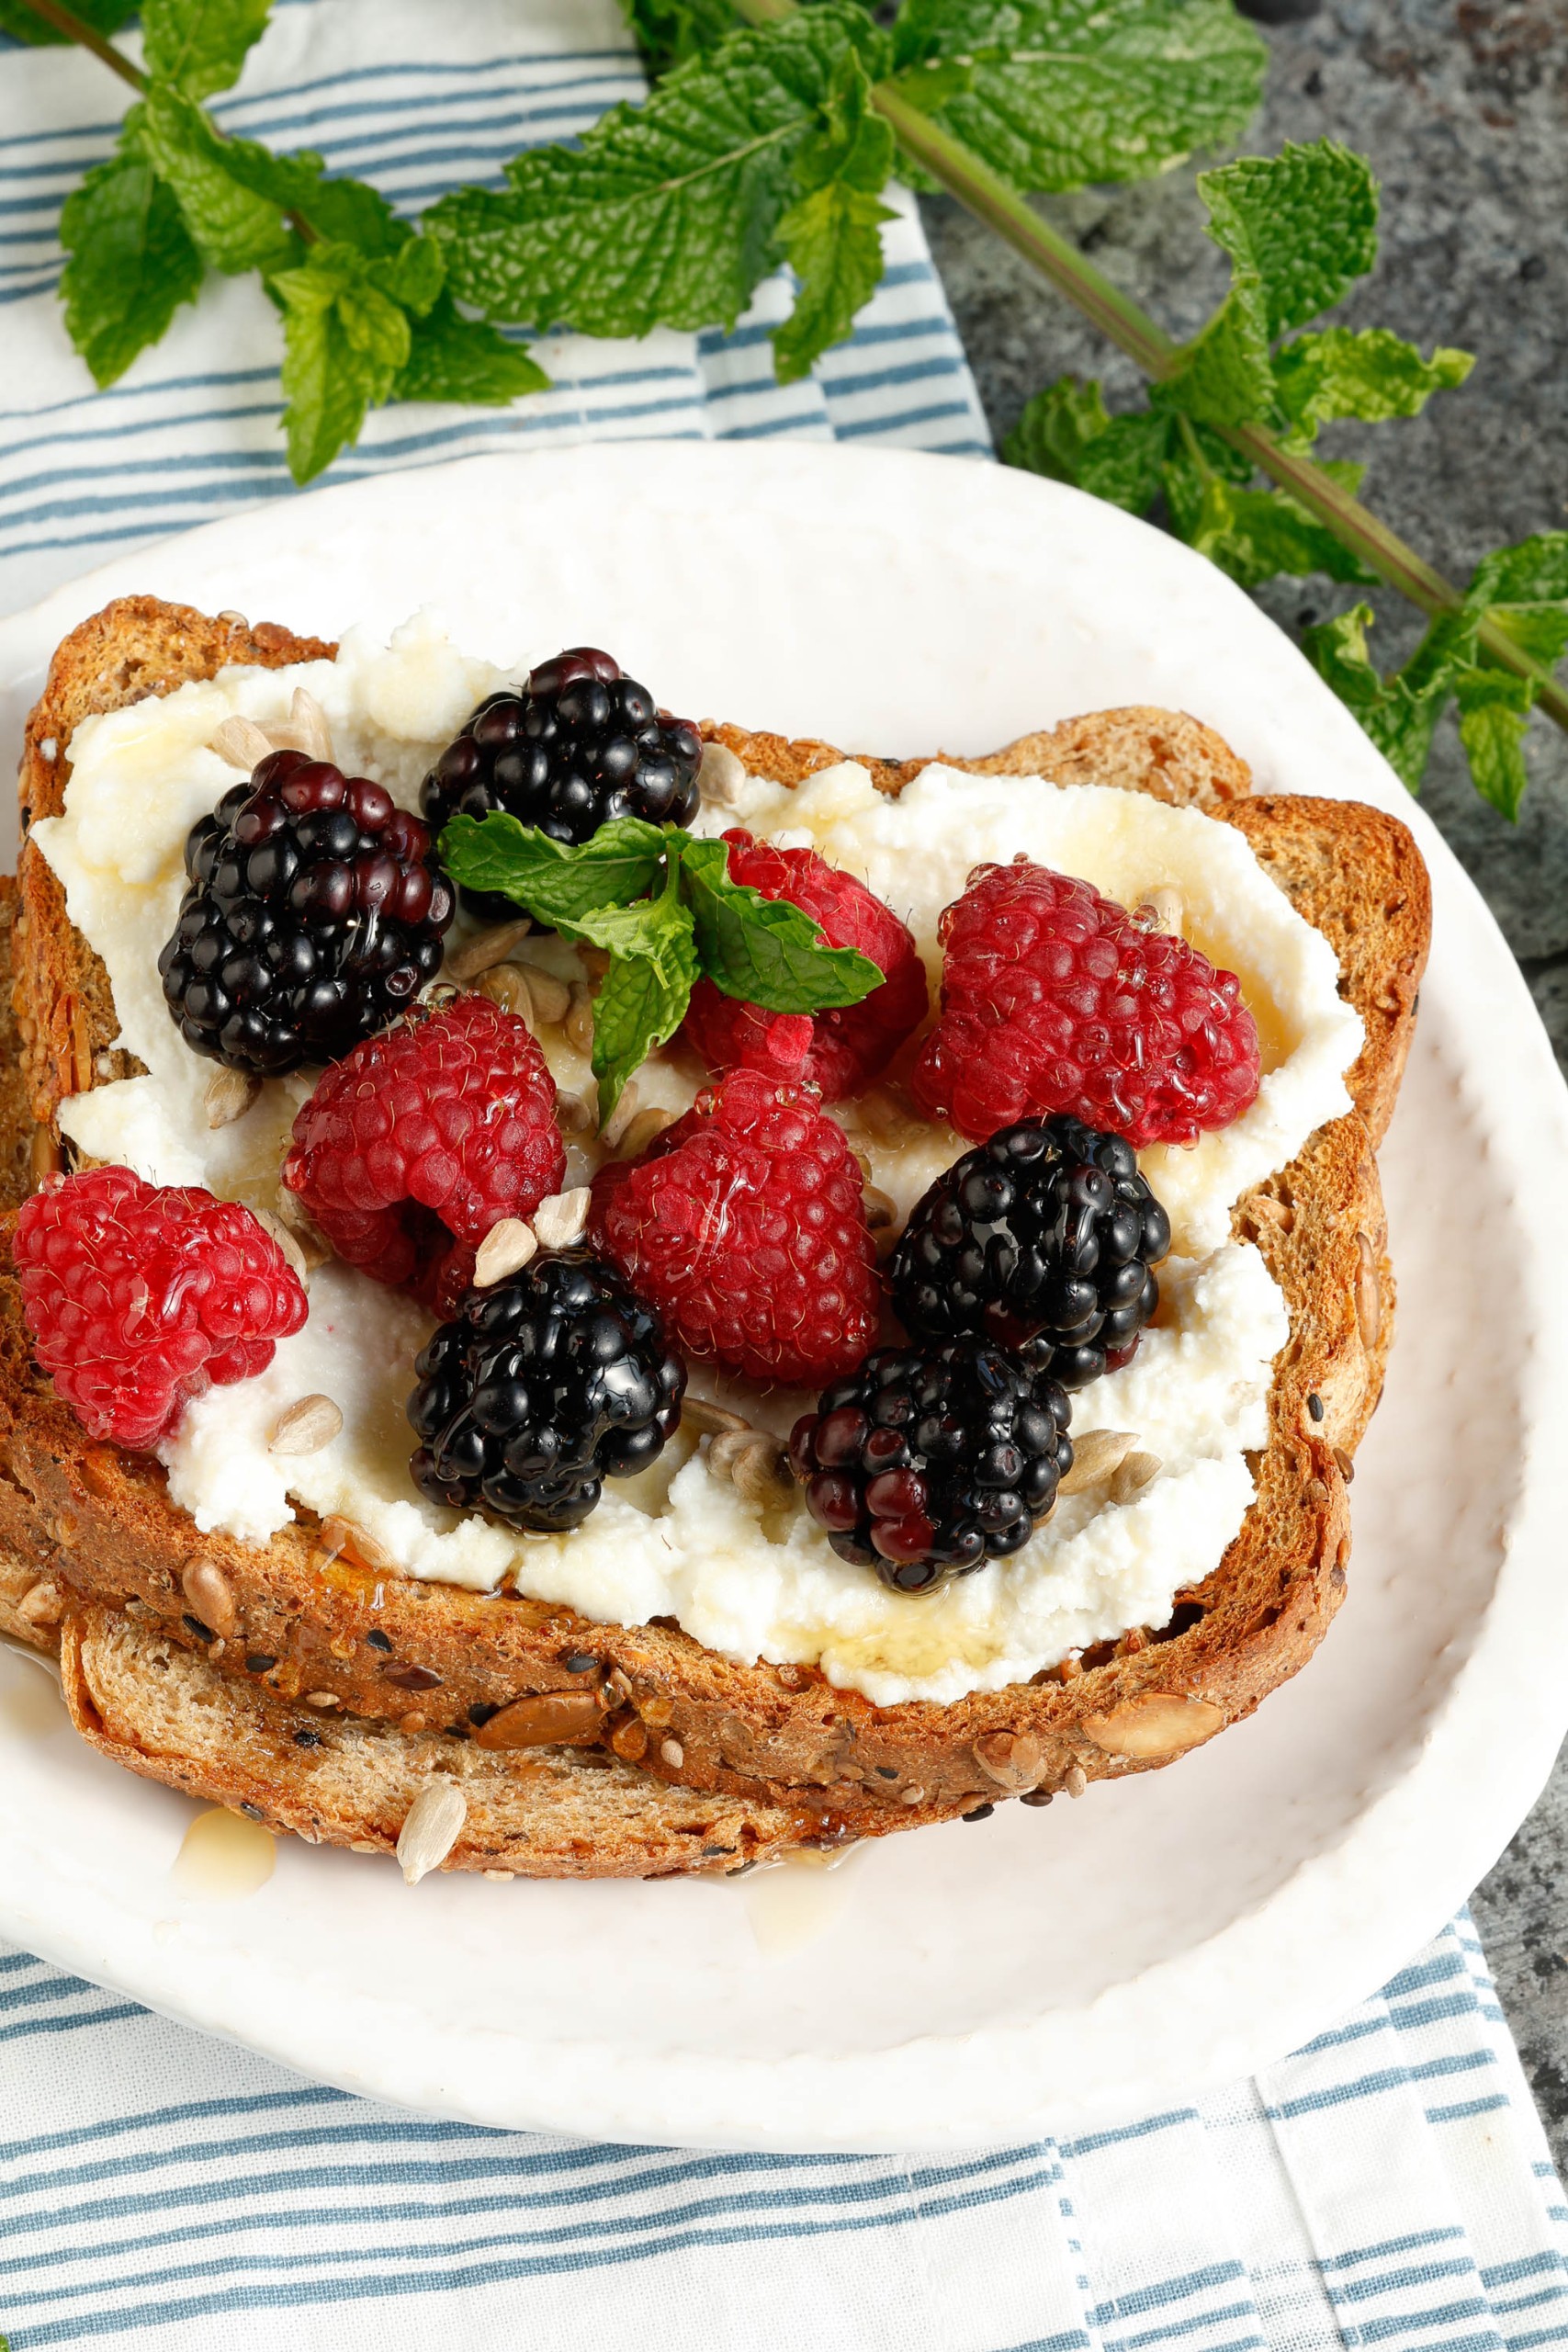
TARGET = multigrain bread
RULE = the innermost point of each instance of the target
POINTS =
(301, 1608)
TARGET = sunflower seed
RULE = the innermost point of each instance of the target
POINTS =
(881, 1210)
(647, 1127)
(755, 1465)
(1135, 1472)
(580, 1019)
(620, 1117)
(345, 1537)
(507, 985)
(308, 727)
(560, 1222)
(42, 1604)
(229, 1093)
(282, 1239)
(486, 948)
(577, 1114)
(712, 1420)
(1096, 1456)
(1075, 1781)
(310, 1423)
(241, 742)
(722, 776)
(211, 1595)
(431, 1829)
(551, 998)
(673, 1754)
(291, 1212)
(505, 1249)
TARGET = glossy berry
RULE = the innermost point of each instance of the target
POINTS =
(745, 1226)
(314, 914)
(840, 1051)
(579, 744)
(1045, 1234)
(540, 1389)
(925, 1463)
(1054, 998)
(410, 1148)
(139, 1297)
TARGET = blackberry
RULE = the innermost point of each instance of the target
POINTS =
(1045, 1235)
(926, 1462)
(540, 1389)
(577, 745)
(313, 915)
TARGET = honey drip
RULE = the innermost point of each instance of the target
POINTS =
(223, 1857)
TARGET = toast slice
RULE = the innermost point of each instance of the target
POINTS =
(770, 1735)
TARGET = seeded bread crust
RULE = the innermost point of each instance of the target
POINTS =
(763, 1733)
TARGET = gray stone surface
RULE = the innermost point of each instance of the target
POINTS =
(1463, 107)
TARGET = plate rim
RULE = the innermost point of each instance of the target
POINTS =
(1504, 1683)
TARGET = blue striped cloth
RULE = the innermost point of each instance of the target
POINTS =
(1388, 2186)
(415, 97)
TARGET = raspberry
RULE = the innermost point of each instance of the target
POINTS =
(1054, 998)
(840, 1051)
(926, 1463)
(539, 1390)
(139, 1297)
(423, 1138)
(314, 914)
(744, 1228)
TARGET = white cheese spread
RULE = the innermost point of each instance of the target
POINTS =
(678, 1541)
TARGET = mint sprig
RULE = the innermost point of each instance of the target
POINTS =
(664, 908)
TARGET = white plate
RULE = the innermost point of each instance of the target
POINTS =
(965, 1983)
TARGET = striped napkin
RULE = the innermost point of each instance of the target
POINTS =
(1388, 2185)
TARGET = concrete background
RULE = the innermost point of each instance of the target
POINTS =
(1461, 107)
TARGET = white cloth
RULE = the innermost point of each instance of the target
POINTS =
(1388, 2185)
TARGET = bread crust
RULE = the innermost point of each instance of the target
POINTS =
(103, 1522)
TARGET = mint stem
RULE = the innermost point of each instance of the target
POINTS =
(1118, 316)
(997, 203)
(85, 37)
(118, 63)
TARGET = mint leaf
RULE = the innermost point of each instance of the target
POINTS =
(639, 1004)
(669, 31)
(1063, 92)
(330, 381)
(454, 359)
(1226, 376)
(104, 15)
(1301, 223)
(1400, 712)
(1493, 709)
(833, 237)
(1253, 534)
(131, 264)
(666, 214)
(1066, 435)
(1373, 376)
(1533, 572)
(233, 228)
(557, 882)
(1539, 631)
(765, 951)
(200, 45)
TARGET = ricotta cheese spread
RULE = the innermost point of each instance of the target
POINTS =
(676, 1541)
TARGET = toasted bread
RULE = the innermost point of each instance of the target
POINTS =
(770, 1735)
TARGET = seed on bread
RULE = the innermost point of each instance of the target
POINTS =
(309, 1423)
(505, 1249)
(672, 1753)
(432, 1826)
(486, 949)
(229, 1093)
(1153, 1724)
(1096, 1456)
(42, 1603)
(211, 1595)
(542, 1719)
(1015, 1761)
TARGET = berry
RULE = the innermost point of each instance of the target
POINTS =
(745, 1226)
(924, 1462)
(314, 913)
(139, 1297)
(1045, 1234)
(1054, 998)
(539, 1390)
(423, 1138)
(579, 744)
(840, 1051)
